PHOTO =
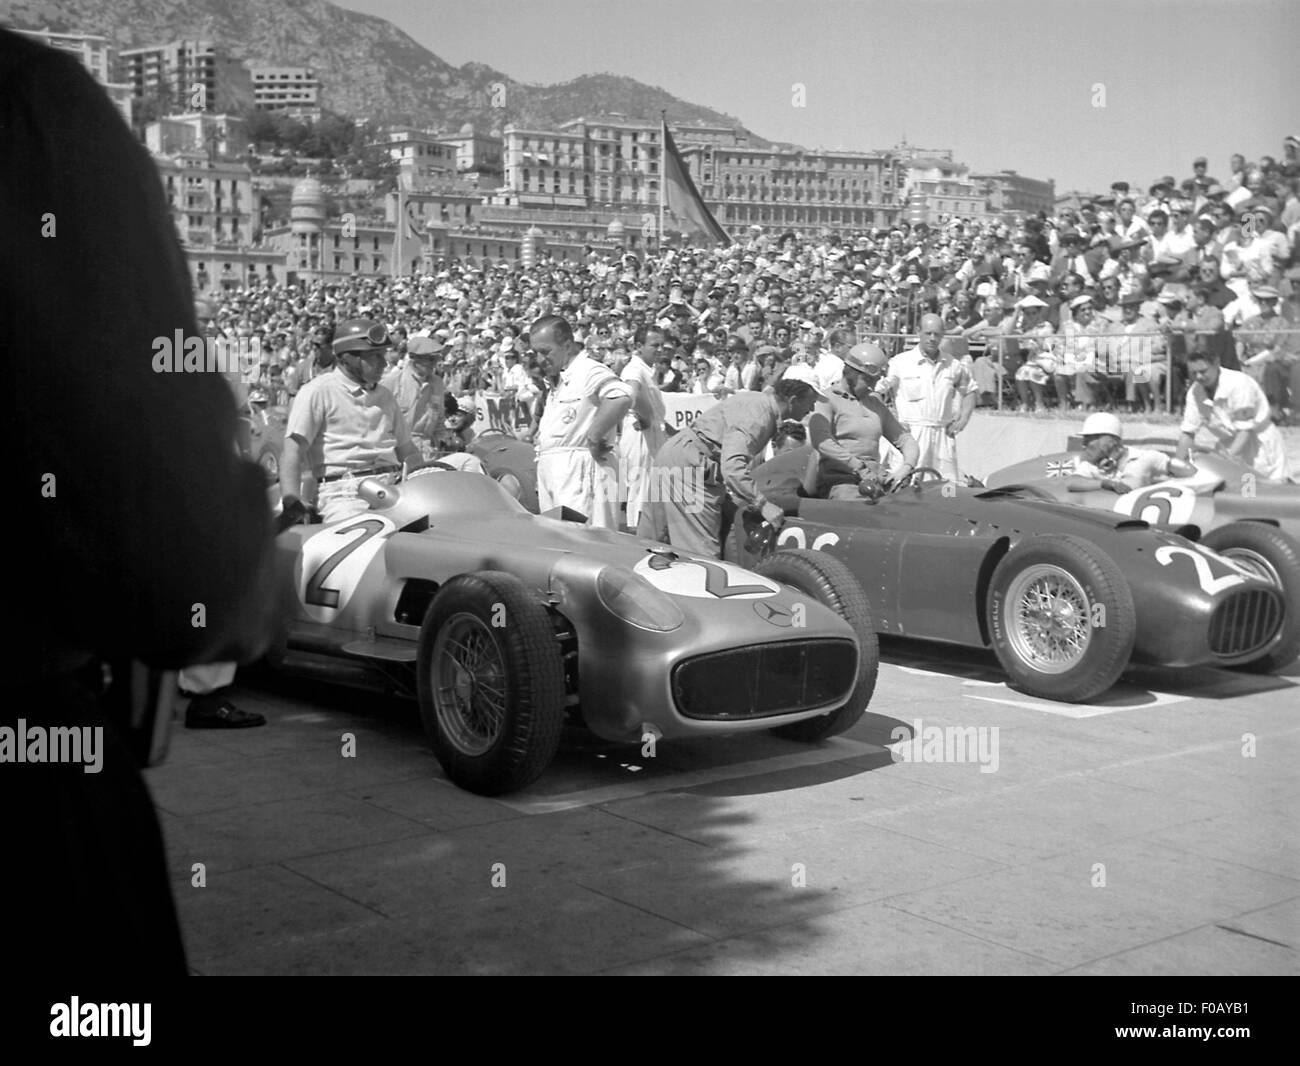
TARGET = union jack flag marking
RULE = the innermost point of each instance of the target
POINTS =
(1060, 468)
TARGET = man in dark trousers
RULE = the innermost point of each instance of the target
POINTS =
(137, 533)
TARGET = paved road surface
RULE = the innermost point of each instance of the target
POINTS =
(1151, 833)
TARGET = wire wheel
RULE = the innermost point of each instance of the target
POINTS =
(469, 684)
(1253, 562)
(1050, 618)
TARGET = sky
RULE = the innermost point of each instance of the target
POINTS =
(1085, 92)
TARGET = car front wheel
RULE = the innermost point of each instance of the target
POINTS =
(491, 683)
(1061, 618)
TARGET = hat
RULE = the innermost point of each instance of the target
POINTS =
(1119, 186)
(766, 350)
(1102, 422)
(1083, 300)
(1133, 296)
(1200, 161)
(422, 346)
(1264, 292)
(1173, 294)
(1031, 301)
(1215, 191)
(466, 405)
(799, 372)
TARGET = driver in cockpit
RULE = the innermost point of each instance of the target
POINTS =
(846, 430)
(1107, 463)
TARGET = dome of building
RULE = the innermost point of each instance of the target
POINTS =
(614, 230)
(307, 206)
(467, 130)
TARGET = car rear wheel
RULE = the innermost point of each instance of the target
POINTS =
(491, 683)
(830, 582)
(1061, 618)
(1275, 556)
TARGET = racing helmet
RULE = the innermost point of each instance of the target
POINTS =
(866, 358)
(1102, 422)
(361, 335)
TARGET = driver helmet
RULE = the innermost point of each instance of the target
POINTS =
(361, 336)
(1102, 423)
(866, 358)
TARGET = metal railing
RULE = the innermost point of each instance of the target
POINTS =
(1103, 347)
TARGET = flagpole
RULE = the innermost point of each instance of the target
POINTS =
(663, 164)
(398, 234)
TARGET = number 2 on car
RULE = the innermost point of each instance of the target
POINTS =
(334, 560)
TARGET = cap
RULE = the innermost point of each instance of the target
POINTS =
(1133, 296)
(466, 405)
(1031, 301)
(799, 372)
(1083, 300)
(1264, 292)
(1100, 423)
(424, 346)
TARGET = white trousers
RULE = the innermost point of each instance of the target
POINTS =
(636, 451)
(571, 477)
(938, 450)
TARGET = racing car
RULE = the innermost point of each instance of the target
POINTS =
(1221, 491)
(1065, 596)
(510, 461)
(499, 622)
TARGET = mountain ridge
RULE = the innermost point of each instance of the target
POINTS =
(368, 67)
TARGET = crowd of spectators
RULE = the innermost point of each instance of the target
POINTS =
(1094, 308)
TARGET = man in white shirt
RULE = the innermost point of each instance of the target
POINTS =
(643, 426)
(935, 396)
(829, 368)
(1232, 407)
(345, 426)
(575, 438)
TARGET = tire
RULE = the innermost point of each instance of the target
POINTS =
(518, 657)
(830, 582)
(1268, 552)
(1086, 577)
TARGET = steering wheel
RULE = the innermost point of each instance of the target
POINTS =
(911, 478)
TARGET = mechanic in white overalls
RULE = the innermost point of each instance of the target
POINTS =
(643, 426)
(934, 395)
(576, 467)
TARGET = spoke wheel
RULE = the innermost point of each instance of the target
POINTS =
(469, 685)
(1060, 617)
(491, 683)
(1050, 618)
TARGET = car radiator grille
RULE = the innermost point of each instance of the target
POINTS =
(764, 680)
(1246, 621)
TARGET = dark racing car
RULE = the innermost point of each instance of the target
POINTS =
(501, 622)
(1066, 597)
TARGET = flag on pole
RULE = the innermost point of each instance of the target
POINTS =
(681, 199)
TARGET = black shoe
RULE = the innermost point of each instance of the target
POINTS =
(219, 714)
